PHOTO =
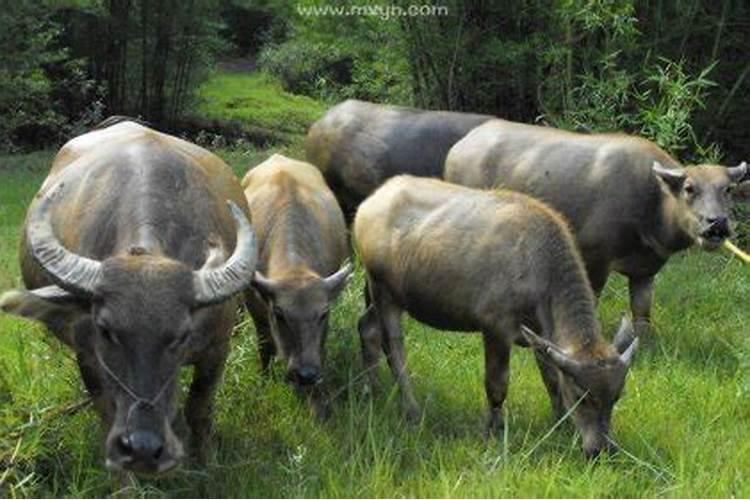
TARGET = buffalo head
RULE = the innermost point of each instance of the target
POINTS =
(133, 319)
(702, 199)
(298, 315)
(590, 385)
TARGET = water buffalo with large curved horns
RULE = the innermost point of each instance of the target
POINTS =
(358, 145)
(134, 249)
(464, 259)
(630, 205)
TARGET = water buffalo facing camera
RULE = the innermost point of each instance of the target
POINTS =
(492, 261)
(303, 245)
(134, 249)
(630, 205)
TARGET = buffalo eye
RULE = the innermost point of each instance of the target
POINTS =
(181, 340)
(109, 336)
(278, 313)
(727, 190)
(689, 190)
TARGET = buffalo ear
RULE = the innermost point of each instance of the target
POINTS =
(264, 286)
(51, 305)
(673, 177)
(564, 362)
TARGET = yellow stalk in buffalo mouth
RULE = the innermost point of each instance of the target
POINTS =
(739, 253)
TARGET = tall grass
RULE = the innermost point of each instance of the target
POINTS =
(683, 422)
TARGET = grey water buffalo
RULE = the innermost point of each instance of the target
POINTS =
(358, 145)
(629, 203)
(134, 248)
(470, 260)
(303, 245)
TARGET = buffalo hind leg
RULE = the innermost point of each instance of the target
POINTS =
(390, 319)
(199, 406)
(496, 374)
(641, 296)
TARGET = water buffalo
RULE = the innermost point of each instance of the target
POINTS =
(463, 259)
(629, 203)
(358, 145)
(303, 242)
(125, 261)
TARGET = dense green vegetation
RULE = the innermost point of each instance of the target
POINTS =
(683, 421)
(259, 104)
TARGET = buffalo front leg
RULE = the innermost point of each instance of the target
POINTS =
(259, 312)
(496, 373)
(390, 318)
(641, 296)
(370, 338)
(549, 377)
(199, 406)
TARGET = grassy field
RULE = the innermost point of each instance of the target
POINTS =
(683, 422)
(258, 102)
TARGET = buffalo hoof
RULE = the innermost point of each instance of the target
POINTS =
(413, 414)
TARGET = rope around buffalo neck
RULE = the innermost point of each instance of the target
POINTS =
(137, 400)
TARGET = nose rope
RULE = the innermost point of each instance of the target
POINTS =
(137, 400)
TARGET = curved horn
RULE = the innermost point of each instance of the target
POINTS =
(627, 356)
(214, 285)
(562, 360)
(72, 272)
(736, 174)
(625, 335)
(336, 282)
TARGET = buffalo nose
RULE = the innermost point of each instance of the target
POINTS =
(141, 446)
(307, 374)
(721, 222)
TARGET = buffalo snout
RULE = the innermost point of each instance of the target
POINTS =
(717, 229)
(143, 451)
(305, 375)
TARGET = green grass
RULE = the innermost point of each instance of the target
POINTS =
(684, 419)
(258, 102)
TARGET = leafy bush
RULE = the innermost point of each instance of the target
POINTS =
(310, 68)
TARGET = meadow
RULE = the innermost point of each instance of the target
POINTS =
(683, 422)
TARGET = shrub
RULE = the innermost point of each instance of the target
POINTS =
(309, 68)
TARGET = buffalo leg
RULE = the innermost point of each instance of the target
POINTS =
(199, 406)
(641, 297)
(496, 373)
(549, 377)
(370, 338)
(259, 312)
(390, 318)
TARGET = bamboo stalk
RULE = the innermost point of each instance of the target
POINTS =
(739, 253)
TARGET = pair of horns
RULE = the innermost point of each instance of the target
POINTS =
(625, 342)
(80, 275)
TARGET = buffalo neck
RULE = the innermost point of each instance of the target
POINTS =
(291, 241)
(572, 306)
(668, 235)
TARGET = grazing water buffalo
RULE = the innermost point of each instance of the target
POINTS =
(629, 203)
(358, 145)
(470, 260)
(302, 244)
(125, 261)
